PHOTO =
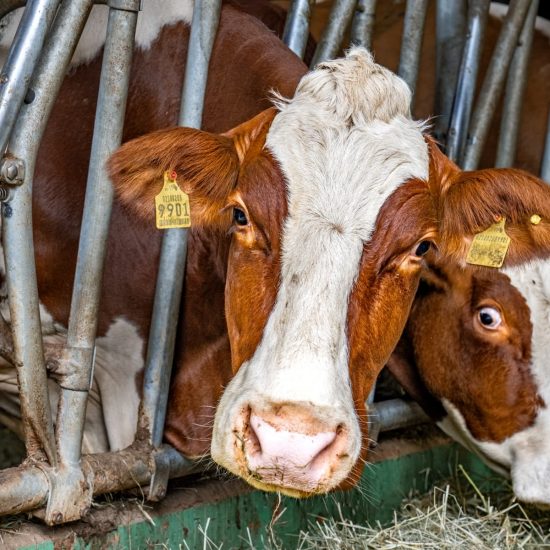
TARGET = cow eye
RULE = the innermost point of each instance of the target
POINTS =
(239, 217)
(490, 317)
(423, 248)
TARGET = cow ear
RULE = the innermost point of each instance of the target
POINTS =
(207, 167)
(468, 203)
(402, 366)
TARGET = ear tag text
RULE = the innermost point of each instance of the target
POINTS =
(172, 204)
(489, 247)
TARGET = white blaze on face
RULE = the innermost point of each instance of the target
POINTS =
(526, 454)
(345, 142)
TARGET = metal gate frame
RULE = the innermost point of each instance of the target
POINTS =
(55, 475)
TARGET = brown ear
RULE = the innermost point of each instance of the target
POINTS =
(470, 202)
(403, 368)
(207, 166)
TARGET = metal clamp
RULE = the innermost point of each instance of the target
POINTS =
(160, 467)
(126, 5)
(68, 367)
(12, 171)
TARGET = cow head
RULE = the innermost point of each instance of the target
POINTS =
(329, 207)
(478, 341)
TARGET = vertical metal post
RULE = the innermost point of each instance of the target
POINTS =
(545, 167)
(362, 25)
(494, 81)
(111, 108)
(411, 43)
(297, 26)
(515, 87)
(467, 77)
(450, 33)
(17, 223)
(162, 335)
(331, 41)
(22, 59)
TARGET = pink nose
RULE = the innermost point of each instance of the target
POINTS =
(292, 449)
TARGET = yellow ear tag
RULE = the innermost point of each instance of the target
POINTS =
(489, 247)
(172, 204)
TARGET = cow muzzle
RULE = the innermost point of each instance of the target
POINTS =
(292, 448)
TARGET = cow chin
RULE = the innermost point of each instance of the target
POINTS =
(298, 448)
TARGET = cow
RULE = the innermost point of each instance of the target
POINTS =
(475, 355)
(326, 205)
(310, 224)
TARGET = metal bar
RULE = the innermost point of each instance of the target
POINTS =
(18, 239)
(362, 25)
(398, 413)
(493, 82)
(545, 167)
(11, 5)
(21, 62)
(467, 78)
(331, 40)
(162, 335)
(109, 121)
(450, 33)
(297, 26)
(26, 488)
(411, 44)
(515, 87)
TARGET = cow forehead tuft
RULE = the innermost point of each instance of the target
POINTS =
(345, 142)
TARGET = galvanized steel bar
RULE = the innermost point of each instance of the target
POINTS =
(362, 25)
(494, 81)
(26, 487)
(545, 166)
(398, 413)
(331, 40)
(78, 355)
(450, 31)
(515, 87)
(297, 26)
(17, 232)
(21, 62)
(467, 78)
(162, 335)
(411, 43)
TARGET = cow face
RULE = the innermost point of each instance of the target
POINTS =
(329, 209)
(479, 339)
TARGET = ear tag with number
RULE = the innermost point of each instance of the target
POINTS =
(489, 247)
(172, 204)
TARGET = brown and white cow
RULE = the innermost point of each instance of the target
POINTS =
(475, 354)
(328, 204)
(310, 224)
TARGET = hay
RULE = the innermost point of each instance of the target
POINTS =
(448, 517)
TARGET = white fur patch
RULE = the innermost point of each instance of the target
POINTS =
(345, 143)
(155, 15)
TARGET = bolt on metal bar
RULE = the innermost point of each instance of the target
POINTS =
(297, 26)
(545, 167)
(467, 78)
(331, 40)
(21, 61)
(411, 43)
(162, 334)
(450, 33)
(362, 25)
(515, 87)
(109, 121)
(494, 81)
